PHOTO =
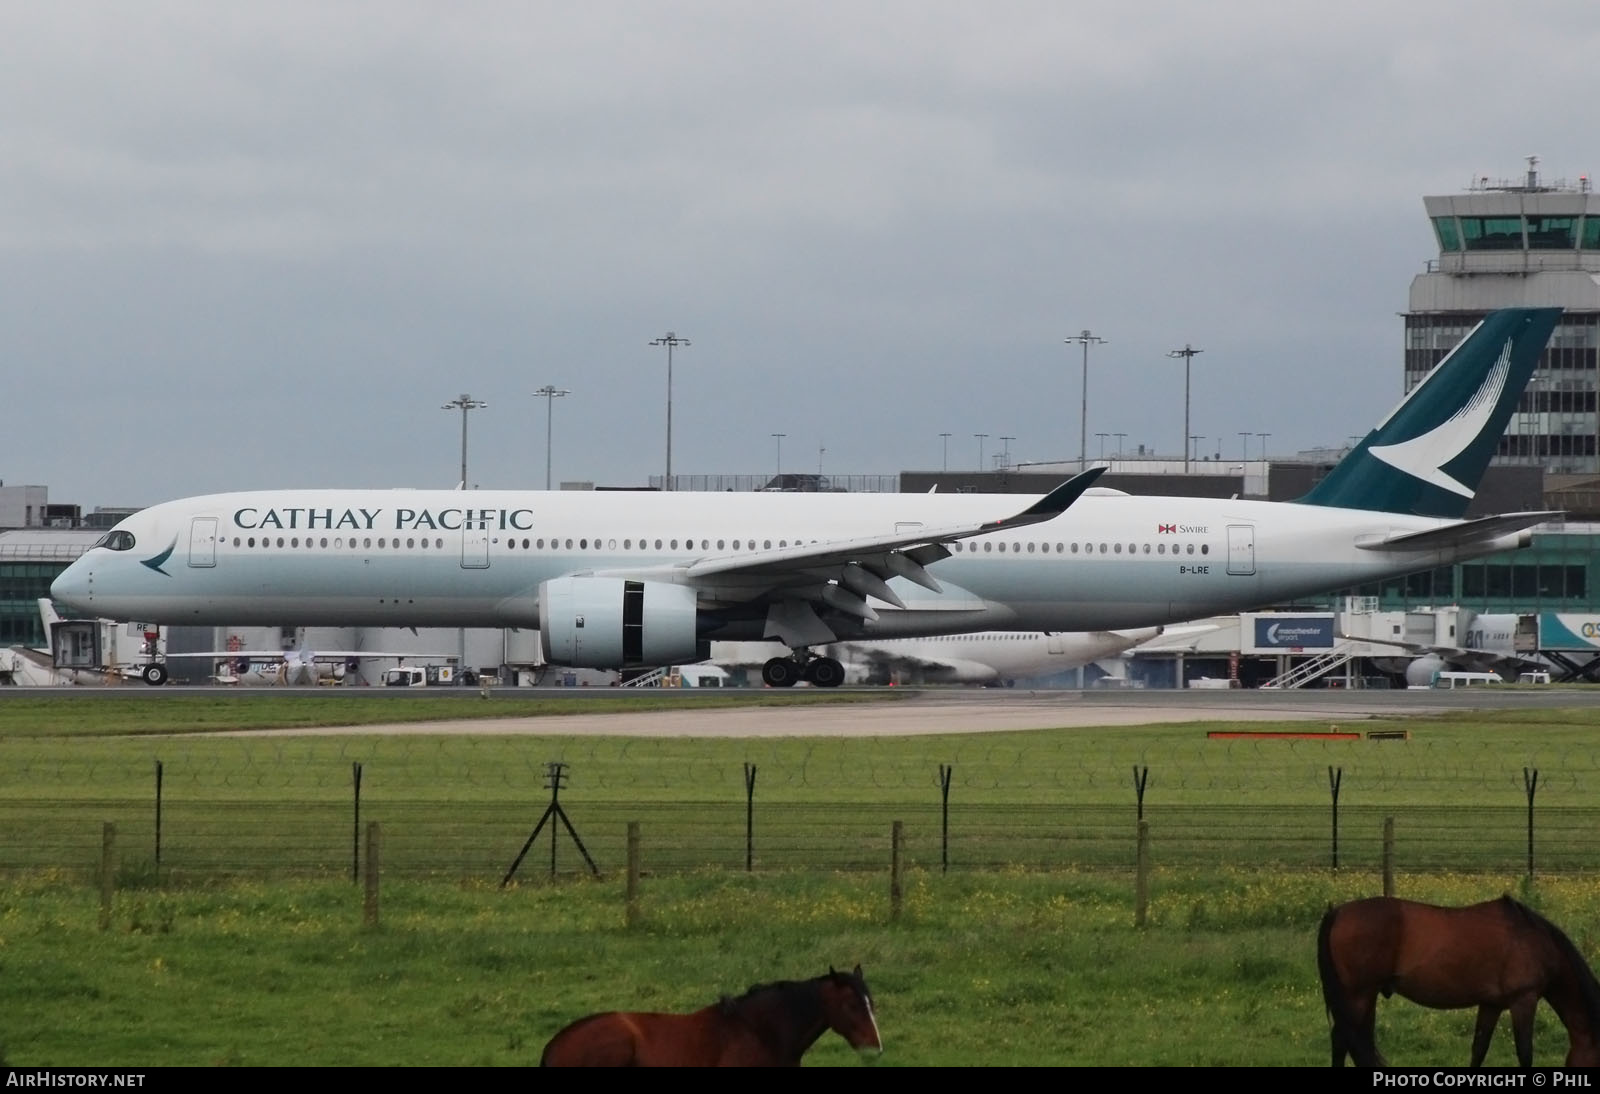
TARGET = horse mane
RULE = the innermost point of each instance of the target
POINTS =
(1588, 985)
(732, 1005)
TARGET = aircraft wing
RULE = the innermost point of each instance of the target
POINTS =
(1467, 531)
(1472, 660)
(842, 573)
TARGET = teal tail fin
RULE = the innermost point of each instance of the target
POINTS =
(1428, 456)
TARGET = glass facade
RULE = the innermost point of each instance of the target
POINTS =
(1449, 237)
(1558, 573)
(1515, 233)
(1552, 233)
(1557, 421)
(1591, 233)
(1491, 233)
(21, 586)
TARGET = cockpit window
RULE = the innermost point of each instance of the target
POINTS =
(117, 540)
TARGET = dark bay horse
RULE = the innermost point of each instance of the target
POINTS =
(1497, 956)
(771, 1025)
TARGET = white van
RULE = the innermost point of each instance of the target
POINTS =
(1466, 679)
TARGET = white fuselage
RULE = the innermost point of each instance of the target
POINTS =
(478, 558)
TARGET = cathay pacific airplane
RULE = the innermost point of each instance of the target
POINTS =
(616, 579)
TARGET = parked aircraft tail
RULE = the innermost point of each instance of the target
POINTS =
(1428, 456)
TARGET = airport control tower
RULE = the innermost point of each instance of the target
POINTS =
(1520, 243)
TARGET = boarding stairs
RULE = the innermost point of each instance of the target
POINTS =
(652, 679)
(1306, 671)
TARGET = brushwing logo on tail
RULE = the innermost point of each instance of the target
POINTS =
(1425, 456)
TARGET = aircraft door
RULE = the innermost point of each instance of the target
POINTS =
(474, 547)
(1241, 549)
(1054, 644)
(203, 541)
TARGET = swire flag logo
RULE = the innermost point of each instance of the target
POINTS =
(1160, 528)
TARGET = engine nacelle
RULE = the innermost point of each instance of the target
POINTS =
(614, 623)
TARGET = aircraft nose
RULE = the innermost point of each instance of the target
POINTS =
(71, 586)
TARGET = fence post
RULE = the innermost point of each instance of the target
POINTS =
(945, 771)
(355, 828)
(108, 871)
(158, 821)
(633, 874)
(1530, 782)
(1141, 875)
(1334, 779)
(749, 816)
(896, 838)
(1140, 776)
(1388, 856)
(370, 905)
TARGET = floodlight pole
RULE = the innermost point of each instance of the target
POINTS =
(550, 394)
(669, 340)
(1188, 354)
(464, 403)
(1085, 340)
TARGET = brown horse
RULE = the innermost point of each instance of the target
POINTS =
(771, 1025)
(1497, 956)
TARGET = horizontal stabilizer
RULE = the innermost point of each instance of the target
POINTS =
(1454, 535)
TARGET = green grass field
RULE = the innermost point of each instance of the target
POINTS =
(248, 946)
(461, 805)
(1004, 968)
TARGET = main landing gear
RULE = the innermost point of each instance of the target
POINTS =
(785, 672)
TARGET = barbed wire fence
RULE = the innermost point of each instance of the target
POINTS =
(283, 808)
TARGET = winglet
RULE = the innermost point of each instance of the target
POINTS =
(1052, 504)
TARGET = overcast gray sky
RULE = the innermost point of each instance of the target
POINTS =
(255, 245)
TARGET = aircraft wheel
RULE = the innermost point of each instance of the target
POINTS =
(780, 672)
(154, 675)
(825, 672)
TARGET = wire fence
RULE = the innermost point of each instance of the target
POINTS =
(481, 840)
(466, 807)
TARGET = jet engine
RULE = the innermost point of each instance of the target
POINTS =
(613, 623)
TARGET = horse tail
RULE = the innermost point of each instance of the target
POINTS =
(1332, 991)
(1347, 1033)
